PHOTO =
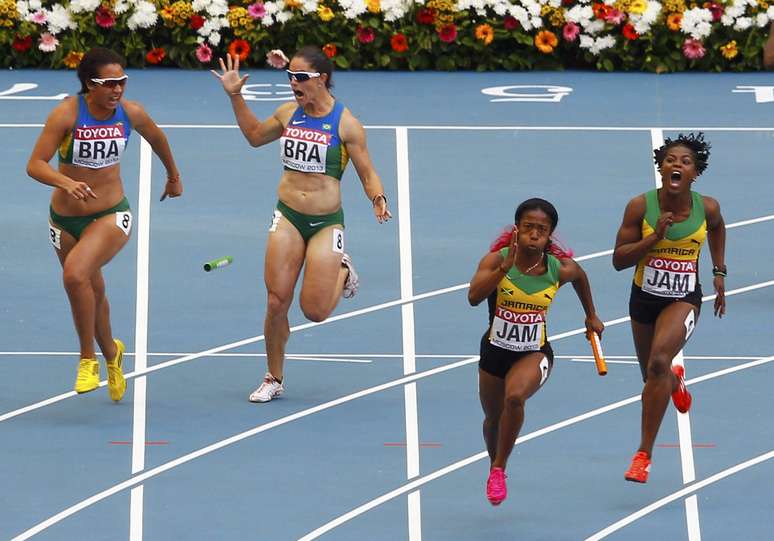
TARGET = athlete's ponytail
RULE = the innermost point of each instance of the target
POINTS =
(555, 246)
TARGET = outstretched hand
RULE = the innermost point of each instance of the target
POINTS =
(230, 79)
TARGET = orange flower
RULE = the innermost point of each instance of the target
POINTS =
(240, 48)
(674, 20)
(72, 59)
(329, 49)
(545, 41)
(484, 33)
(729, 50)
(155, 56)
(601, 10)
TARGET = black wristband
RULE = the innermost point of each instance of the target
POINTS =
(720, 271)
(373, 200)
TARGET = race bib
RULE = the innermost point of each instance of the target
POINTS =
(124, 221)
(671, 278)
(304, 149)
(517, 331)
(98, 146)
(56, 236)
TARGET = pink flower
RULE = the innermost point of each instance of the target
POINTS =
(48, 42)
(277, 59)
(615, 16)
(39, 17)
(693, 49)
(203, 53)
(104, 17)
(257, 10)
(448, 33)
(365, 34)
(570, 31)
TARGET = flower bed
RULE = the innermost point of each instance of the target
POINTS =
(672, 35)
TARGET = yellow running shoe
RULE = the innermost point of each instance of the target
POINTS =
(88, 376)
(116, 381)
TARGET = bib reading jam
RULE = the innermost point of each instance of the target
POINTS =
(95, 143)
(312, 144)
(670, 268)
(517, 309)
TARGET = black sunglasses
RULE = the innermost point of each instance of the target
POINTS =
(301, 76)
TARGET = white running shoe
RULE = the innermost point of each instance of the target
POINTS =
(352, 282)
(270, 388)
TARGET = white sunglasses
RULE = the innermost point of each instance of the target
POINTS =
(301, 76)
(110, 82)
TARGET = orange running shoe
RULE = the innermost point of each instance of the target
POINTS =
(496, 491)
(639, 469)
(681, 398)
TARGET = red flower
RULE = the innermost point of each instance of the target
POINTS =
(196, 22)
(329, 49)
(365, 35)
(510, 22)
(629, 32)
(601, 11)
(104, 17)
(240, 48)
(22, 44)
(716, 10)
(155, 56)
(426, 16)
(448, 33)
(399, 43)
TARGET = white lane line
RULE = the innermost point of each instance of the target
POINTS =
(338, 521)
(141, 337)
(186, 358)
(679, 494)
(683, 420)
(407, 328)
(147, 474)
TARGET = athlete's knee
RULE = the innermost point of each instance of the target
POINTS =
(314, 312)
(75, 277)
(658, 366)
(277, 304)
(515, 400)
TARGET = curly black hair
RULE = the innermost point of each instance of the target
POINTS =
(695, 142)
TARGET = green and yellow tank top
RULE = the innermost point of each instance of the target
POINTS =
(312, 144)
(518, 307)
(670, 268)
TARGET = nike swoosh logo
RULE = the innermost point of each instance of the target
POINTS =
(296, 122)
(315, 224)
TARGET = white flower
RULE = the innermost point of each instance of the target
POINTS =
(537, 22)
(726, 20)
(284, 16)
(214, 38)
(121, 7)
(23, 8)
(144, 16)
(697, 23)
(308, 6)
(59, 19)
(79, 6)
(761, 20)
(595, 26)
(743, 23)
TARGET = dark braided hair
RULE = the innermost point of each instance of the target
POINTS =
(695, 142)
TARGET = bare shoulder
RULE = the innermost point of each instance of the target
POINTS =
(135, 111)
(350, 128)
(711, 208)
(285, 111)
(65, 113)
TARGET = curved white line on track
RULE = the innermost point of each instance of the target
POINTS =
(679, 494)
(479, 456)
(347, 315)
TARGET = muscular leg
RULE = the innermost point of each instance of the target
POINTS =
(284, 258)
(102, 330)
(668, 338)
(491, 391)
(324, 276)
(521, 382)
(81, 260)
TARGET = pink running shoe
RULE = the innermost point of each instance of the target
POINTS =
(496, 491)
(681, 398)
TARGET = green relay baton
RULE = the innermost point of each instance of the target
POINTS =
(218, 263)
